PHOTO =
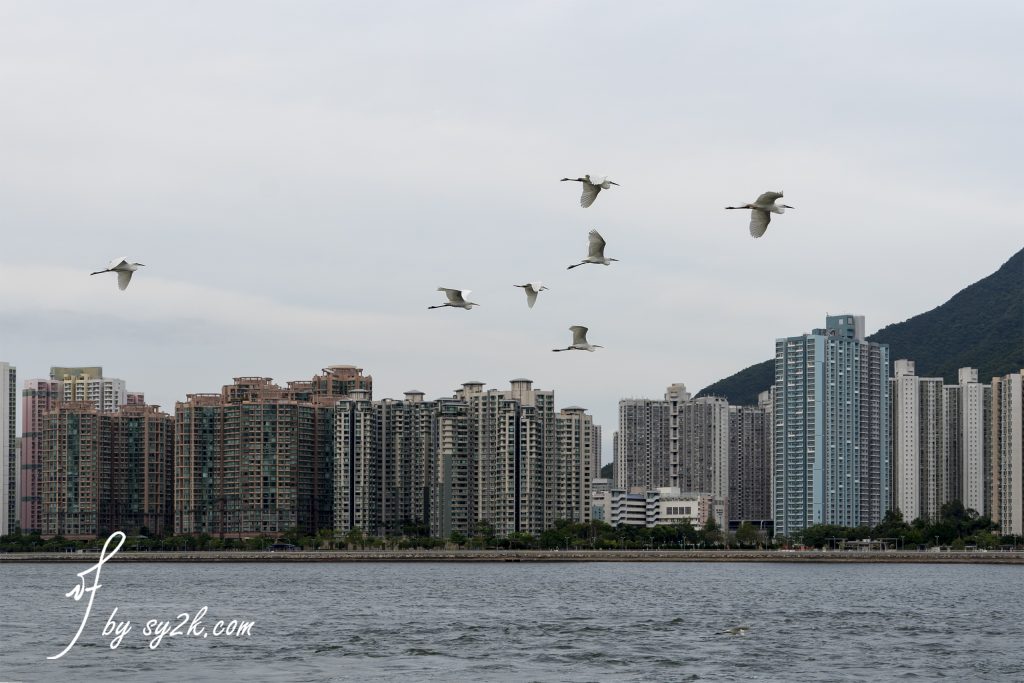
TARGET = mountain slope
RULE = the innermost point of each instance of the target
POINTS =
(982, 327)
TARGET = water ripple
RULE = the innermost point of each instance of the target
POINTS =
(520, 622)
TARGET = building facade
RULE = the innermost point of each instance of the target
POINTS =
(106, 471)
(453, 474)
(969, 418)
(357, 467)
(642, 453)
(9, 464)
(1007, 453)
(919, 487)
(703, 437)
(831, 430)
(663, 506)
(750, 470)
(258, 458)
(515, 432)
(676, 395)
(88, 384)
(570, 473)
(503, 458)
(38, 398)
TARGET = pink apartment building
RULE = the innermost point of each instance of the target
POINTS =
(39, 397)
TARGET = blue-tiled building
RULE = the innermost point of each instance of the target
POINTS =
(831, 428)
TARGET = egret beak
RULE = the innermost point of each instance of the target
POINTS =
(787, 206)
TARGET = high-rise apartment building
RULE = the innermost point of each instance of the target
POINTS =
(84, 385)
(407, 435)
(9, 464)
(617, 478)
(1007, 453)
(766, 402)
(703, 435)
(675, 396)
(106, 471)
(967, 433)
(570, 472)
(258, 458)
(919, 476)
(750, 471)
(88, 384)
(515, 435)
(453, 475)
(596, 463)
(643, 450)
(357, 467)
(38, 398)
(75, 471)
(503, 457)
(831, 427)
(383, 464)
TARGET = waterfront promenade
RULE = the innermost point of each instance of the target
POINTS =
(814, 556)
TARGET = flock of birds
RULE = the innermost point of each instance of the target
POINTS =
(761, 211)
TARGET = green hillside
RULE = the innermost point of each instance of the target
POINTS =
(982, 327)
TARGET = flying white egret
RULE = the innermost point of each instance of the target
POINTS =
(579, 340)
(595, 252)
(591, 187)
(532, 289)
(123, 269)
(456, 298)
(761, 211)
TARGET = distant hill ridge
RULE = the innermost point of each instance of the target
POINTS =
(982, 327)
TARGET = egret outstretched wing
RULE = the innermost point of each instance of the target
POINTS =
(579, 334)
(589, 194)
(759, 221)
(768, 198)
(596, 247)
(117, 263)
(455, 296)
(123, 278)
(531, 296)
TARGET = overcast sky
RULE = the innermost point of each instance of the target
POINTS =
(300, 177)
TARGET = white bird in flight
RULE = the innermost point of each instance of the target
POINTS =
(591, 187)
(456, 298)
(123, 269)
(532, 289)
(761, 211)
(579, 340)
(595, 252)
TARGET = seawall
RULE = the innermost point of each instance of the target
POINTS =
(839, 557)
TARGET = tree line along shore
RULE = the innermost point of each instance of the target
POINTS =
(957, 530)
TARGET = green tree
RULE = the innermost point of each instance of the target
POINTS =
(746, 535)
(355, 538)
(710, 533)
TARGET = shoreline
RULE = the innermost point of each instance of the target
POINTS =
(541, 556)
